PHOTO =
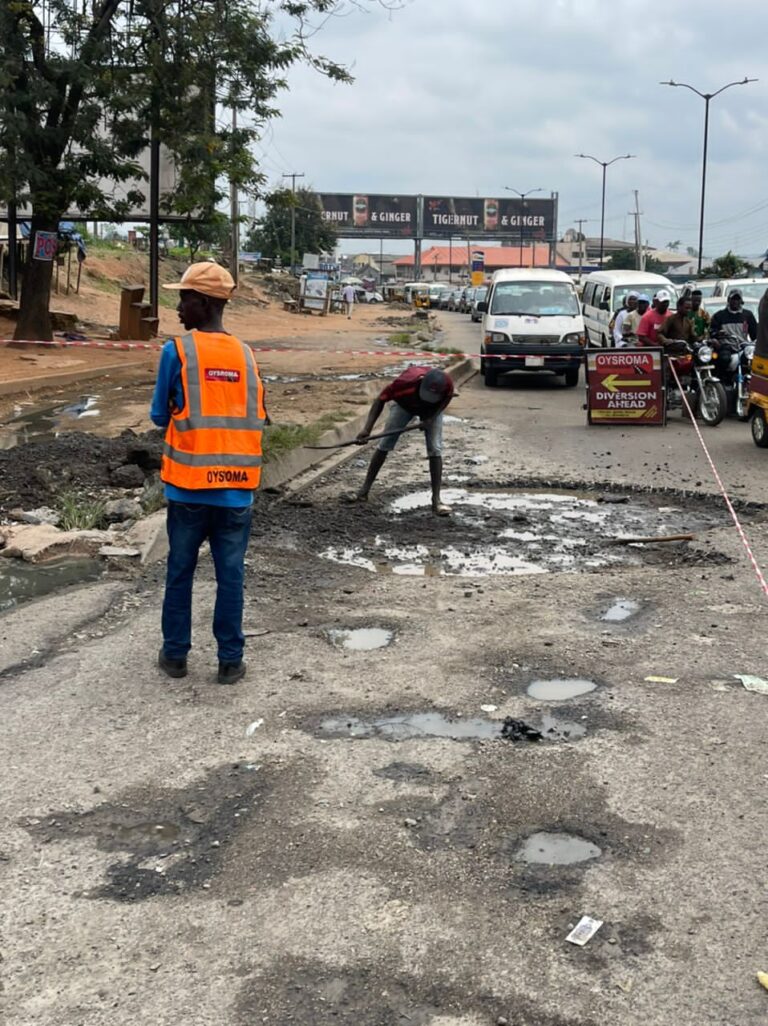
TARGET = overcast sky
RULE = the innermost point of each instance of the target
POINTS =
(463, 98)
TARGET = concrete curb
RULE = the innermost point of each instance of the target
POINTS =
(296, 470)
(65, 378)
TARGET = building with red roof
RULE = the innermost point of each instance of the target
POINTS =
(440, 261)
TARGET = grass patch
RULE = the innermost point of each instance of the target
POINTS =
(80, 513)
(401, 338)
(153, 497)
(282, 438)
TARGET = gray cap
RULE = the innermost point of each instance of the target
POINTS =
(435, 386)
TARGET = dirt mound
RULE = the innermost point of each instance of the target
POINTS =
(37, 473)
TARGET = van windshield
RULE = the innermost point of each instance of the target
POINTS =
(534, 299)
(620, 292)
(752, 290)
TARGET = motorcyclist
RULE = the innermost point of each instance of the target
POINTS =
(733, 324)
(734, 320)
(677, 335)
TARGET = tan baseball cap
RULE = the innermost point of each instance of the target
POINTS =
(206, 277)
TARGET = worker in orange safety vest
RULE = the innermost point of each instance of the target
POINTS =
(209, 397)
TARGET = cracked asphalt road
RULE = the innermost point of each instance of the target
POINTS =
(165, 858)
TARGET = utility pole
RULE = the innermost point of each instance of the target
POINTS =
(234, 216)
(293, 175)
(639, 254)
(580, 222)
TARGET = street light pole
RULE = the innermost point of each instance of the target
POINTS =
(522, 196)
(604, 164)
(706, 97)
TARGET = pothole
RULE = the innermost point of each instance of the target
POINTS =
(47, 422)
(520, 533)
(621, 609)
(559, 689)
(361, 639)
(437, 725)
(552, 849)
(20, 581)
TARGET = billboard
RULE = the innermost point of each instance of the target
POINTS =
(530, 219)
(370, 216)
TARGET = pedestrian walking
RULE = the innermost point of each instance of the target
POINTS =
(421, 392)
(348, 296)
(210, 399)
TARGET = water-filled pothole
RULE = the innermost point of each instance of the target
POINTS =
(559, 689)
(426, 725)
(48, 421)
(139, 832)
(550, 849)
(619, 610)
(21, 581)
(518, 533)
(361, 639)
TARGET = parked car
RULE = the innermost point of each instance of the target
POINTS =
(532, 314)
(604, 294)
(436, 291)
(454, 299)
(479, 297)
(364, 296)
(467, 295)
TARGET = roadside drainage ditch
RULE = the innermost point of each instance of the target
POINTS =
(21, 582)
(518, 533)
(46, 422)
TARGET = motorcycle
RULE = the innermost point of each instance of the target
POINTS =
(704, 391)
(734, 367)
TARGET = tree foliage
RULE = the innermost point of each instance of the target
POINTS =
(195, 235)
(79, 99)
(626, 260)
(273, 236)
(728, 266)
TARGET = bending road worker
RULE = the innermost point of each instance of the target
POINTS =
(421, 392)
(210, 399)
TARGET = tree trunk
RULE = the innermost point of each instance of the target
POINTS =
(34, 309)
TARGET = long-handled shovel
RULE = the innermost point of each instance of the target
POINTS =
(370, 438)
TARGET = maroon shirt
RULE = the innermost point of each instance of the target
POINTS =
(405, 392)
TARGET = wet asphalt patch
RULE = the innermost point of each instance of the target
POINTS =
(435, 724)
(322, 995)
(175, 840)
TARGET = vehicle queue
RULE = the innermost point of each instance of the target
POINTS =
(540, 320)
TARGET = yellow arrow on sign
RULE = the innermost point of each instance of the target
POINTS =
(613, 382)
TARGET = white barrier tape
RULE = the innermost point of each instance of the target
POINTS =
(720, 485)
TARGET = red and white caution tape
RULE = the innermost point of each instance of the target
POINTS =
(720, 485)
(66, 343)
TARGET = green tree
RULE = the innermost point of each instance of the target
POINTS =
(728, 266)
(674, 246)
(79, 103)
(195, 235)
(626, 260)
(273, 236)
(622, 260)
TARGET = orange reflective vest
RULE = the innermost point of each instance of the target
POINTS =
(215, 440)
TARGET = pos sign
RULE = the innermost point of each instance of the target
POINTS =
(626, 386)
(46, 245)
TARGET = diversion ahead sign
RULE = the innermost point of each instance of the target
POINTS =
(625, 386)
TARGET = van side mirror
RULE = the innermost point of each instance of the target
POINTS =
(604, 306)
(482, 306)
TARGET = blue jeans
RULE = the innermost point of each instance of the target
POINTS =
(227, 529)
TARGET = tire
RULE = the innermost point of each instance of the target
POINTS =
(759, 428)
(490, 376)
(712, 404)
(571, 377)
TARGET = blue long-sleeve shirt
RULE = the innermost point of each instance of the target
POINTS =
(168, 395)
